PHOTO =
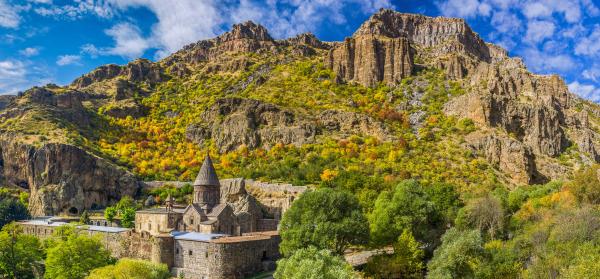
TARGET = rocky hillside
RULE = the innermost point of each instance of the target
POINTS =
(405, 96)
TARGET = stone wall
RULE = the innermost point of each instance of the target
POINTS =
(276, 198)
(156, 222)
(228, 257)
(121, 244)
(265, 225)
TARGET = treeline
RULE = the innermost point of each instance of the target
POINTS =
(537, 231)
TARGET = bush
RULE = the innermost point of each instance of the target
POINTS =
(131, 269)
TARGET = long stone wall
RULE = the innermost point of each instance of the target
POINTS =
(121, 244)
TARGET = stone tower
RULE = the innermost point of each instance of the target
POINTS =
(207, 192)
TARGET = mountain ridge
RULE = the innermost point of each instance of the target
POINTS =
(409, 76)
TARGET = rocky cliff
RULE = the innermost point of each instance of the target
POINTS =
(233, 122)
(534, 112)
(62, 178)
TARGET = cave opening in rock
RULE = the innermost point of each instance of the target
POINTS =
(73, 210)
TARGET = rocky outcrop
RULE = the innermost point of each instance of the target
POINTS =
(508, 155)
(244, 37)
(275, 198)
(67, 105)
(368, 60)
(441, 35)
(344, 124)
(62, 178)
(124, 108)
(382, 49)
(140, 70)
(527, 106)
(5, 100)
(233, 122)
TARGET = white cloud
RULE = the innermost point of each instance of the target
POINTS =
(538, 30)
(12, 69)
(15, 76)
(65, 60)
(9, 15)
(91, 50)
(30, 51)
(586, 91)
(536, 10)
(186, 21)
(128, 41)
(301, 15)
(547, 62)
(464, 8)
(506, 22)
(593, 73)
(76, 10)
(589, 45)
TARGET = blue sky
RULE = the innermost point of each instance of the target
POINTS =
(43, 41)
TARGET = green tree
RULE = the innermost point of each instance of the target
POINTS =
(20, 254)
(84, 218)
(12, 210)
(311, 263)
(326, 219)
(127, 217)
(75, 257)
(407, 207)
(406, 262)
(110, 213)
(131, 269)
(125, 202)
(459, 255)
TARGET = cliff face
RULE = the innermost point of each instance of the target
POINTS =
(233, 122)
(368, 60)
(63, 178)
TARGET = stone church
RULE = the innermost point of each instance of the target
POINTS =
(206, 214)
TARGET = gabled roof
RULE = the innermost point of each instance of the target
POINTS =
(194, 207)
(207, 175)
(216, 211)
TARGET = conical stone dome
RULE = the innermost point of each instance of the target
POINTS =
(207, 175)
